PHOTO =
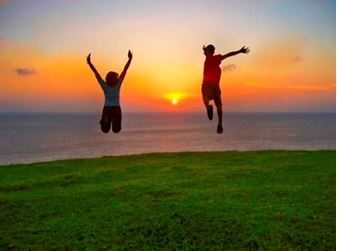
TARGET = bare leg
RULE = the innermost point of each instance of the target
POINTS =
(209, 108)
(206, 101)
(219, 109)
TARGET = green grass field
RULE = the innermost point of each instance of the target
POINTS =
(274, 200)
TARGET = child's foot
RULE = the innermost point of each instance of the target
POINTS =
(219, 129)
(210, 112)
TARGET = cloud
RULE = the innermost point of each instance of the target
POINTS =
(3, 2)
(228, 67)
(25, 71)
(4, 41)
(281, 52)
(297, 59)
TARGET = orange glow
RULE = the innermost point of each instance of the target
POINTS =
(174, 101)
(289, 79)
(175, 97)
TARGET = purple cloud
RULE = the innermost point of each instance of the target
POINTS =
(3, 2)
(25, 71)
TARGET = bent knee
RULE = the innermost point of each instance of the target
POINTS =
(218, 102)
(105, 128)
(116, 129)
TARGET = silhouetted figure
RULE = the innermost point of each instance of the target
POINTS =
(112, 113)
(211, 81)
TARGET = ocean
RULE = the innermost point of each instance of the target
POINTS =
(35, 137)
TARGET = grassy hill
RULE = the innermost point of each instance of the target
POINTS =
(172, 201)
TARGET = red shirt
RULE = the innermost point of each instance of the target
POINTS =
(212, 71)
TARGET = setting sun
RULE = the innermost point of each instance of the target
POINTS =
(175, 97)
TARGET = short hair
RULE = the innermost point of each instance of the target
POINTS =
(209, 48)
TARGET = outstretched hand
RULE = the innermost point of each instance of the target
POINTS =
(244, 49)
(89, 58)
(130, 55)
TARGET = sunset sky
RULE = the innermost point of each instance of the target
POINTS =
(44, 44)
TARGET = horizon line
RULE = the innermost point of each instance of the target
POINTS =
(167, 112)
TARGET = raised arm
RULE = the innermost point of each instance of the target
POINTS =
(244, 49)
(126, 67)
(92, 67)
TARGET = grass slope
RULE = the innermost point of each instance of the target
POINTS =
(216, 200)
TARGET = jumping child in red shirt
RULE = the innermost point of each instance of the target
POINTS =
(211, 81)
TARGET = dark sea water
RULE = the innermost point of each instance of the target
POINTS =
(33, 137)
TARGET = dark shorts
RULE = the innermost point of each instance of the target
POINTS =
(111, 118)
(212, 91)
